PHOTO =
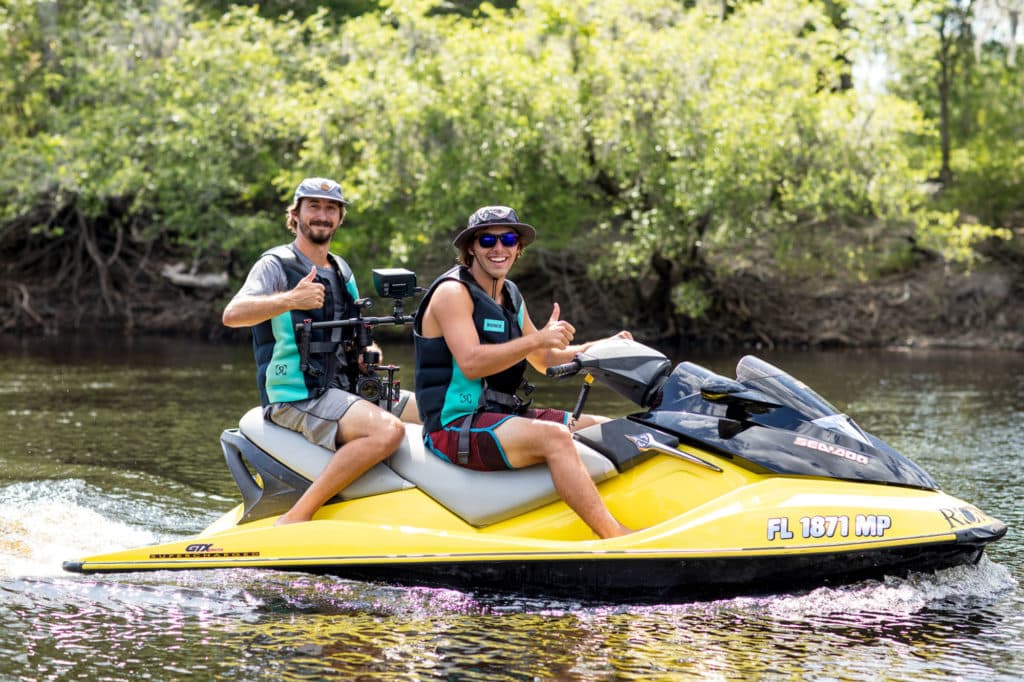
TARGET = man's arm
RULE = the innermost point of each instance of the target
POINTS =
(450, 314)
(543, 358)
(249, 309)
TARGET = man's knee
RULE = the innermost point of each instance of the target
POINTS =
(557, 440)
(374, 424)
(392, 432)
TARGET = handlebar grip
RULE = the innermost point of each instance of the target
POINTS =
(568, 369)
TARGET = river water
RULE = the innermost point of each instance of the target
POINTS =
(110, 444)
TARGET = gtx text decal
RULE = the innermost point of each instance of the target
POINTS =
(812, 444)
(203, 550)
(863, 525)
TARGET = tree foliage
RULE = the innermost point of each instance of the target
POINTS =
(955, 61)
(654, 137)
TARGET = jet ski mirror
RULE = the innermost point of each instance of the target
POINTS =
(719, 389)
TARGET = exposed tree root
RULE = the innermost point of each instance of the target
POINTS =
(70, 273)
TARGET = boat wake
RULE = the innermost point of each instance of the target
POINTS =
(882, 601)
(42, 521)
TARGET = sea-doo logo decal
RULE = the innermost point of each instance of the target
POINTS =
(830, 449)
(494, 325)
(864, 525)
(963, 516)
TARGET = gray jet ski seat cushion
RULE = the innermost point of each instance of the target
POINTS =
(309, 459)
(481, 498)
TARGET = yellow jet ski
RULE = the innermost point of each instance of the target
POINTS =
(740, 485)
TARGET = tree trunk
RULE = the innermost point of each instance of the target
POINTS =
(947, 57)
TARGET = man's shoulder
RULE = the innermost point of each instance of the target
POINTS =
(280, 251)
(451, 286)
(343, 266)
(267, 275)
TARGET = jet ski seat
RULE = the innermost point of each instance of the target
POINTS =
(482, 498)
(309, 459)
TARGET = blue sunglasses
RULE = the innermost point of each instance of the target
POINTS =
(488, 241)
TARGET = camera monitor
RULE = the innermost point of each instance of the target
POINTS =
(394, 282)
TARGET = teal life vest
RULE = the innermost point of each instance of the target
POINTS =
(443, 393)
(280, 374)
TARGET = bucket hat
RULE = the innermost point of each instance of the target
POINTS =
(495, 216)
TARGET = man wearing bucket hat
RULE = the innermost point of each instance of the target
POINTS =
(287, 285)
(473, 339)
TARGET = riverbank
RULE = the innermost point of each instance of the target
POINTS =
(931, 305)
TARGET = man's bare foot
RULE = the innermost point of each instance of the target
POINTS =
(618, 532)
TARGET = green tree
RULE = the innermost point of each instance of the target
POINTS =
(650, 138)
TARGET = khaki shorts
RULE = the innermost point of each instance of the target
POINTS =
(317, 418)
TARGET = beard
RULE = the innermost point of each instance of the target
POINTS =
(318, 232)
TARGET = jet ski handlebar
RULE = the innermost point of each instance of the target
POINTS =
(566, 370)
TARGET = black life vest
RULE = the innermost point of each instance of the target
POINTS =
(443, 393)
(279, 371)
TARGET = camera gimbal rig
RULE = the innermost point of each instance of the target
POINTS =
(396, 284)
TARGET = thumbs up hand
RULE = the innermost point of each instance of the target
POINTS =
(308, 294)
(556, 333)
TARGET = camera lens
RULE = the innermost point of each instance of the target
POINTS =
(369, 388)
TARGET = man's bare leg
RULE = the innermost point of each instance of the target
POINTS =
(370, 435)
(529, 441)
(410, 413)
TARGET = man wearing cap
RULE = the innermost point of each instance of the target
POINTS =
(473, 339)
(287, 285)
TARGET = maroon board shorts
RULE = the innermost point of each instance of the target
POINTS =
(485, 451)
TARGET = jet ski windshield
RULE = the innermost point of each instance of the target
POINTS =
(789, 391)
(772, 381)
